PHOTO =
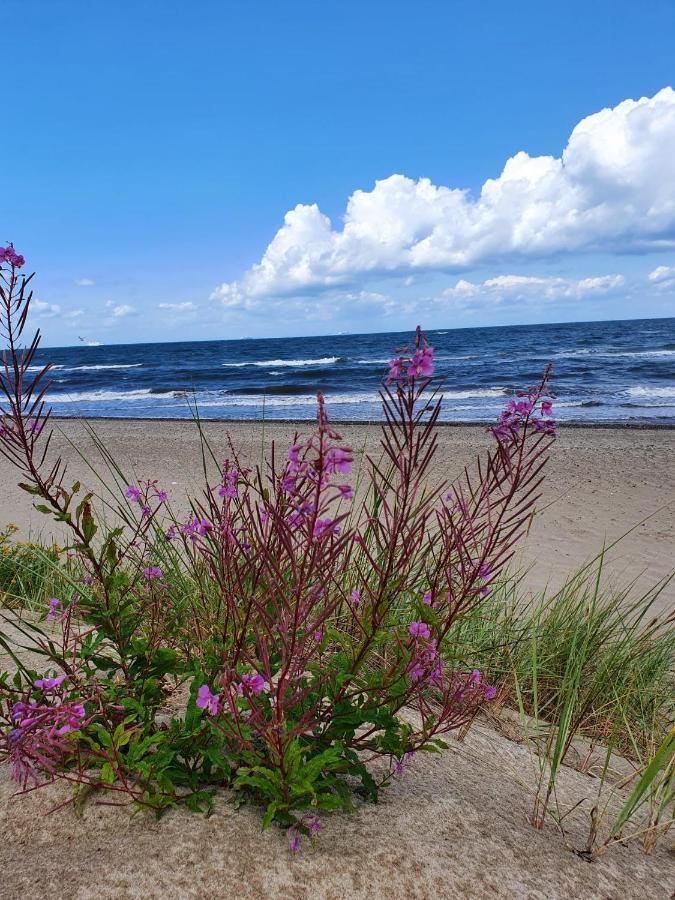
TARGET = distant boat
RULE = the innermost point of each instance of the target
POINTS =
(89, 343)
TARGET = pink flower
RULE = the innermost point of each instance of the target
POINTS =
(436, 674)
(399, 767)
(346, 492)
(206, 700)
(318, 635)
(428, 598)
(162, 496)
(395, 369)
(416, 671)
(229, 486)
(422, 363)
(48, 683)
(294, 458)
(8, 254)
(546, 426)
(133, 493)
(288, 483)
(356, 596)
(419, 629)
(489, 692)
(151, 572)
(75, 714)
(339, 460)
(313, 826)
(294, 843)
(546, 408)
(325, 526)
(53, 607)
(254, 683)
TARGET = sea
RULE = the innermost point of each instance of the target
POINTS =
(603, 372)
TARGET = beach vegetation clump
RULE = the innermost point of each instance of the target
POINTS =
(290, 638)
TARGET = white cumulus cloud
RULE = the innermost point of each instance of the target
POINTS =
(187, 306)
(45, 310)
(84, 282)
(663, 276)
(612, 189)
(121, 310)
(528, 288)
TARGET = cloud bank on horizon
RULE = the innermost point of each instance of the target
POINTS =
(610, 192)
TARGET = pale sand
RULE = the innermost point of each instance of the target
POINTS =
(601, 483)
(455, 825)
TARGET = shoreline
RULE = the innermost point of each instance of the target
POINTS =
(370, 423)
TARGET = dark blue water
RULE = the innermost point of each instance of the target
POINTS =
(603, 372)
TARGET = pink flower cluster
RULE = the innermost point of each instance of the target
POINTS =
(37, 742)
(425, 665)
(405, 369)
(228, 486)
(9, 255)
(308, 474)
(147, 493)
(195, 528)
(520, 414)
(248, 683)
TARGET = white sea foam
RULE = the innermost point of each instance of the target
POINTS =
(108, 366)
(63, 368)
(655, 393)
(650, 354)
(607, 354)
(294, 363)
(352, 399)
(103, 396)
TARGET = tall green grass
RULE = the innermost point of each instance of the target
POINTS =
(597, 661)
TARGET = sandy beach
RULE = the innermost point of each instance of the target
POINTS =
(455, 825)
(602, 483)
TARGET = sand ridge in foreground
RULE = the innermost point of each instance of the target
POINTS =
(454, 826)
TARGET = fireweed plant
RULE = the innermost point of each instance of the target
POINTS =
(313, 645)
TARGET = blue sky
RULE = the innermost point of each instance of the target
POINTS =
(157, 148)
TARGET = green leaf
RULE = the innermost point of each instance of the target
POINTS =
(30, 489)
(89, 527)
(107, 773)
(269, 815)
